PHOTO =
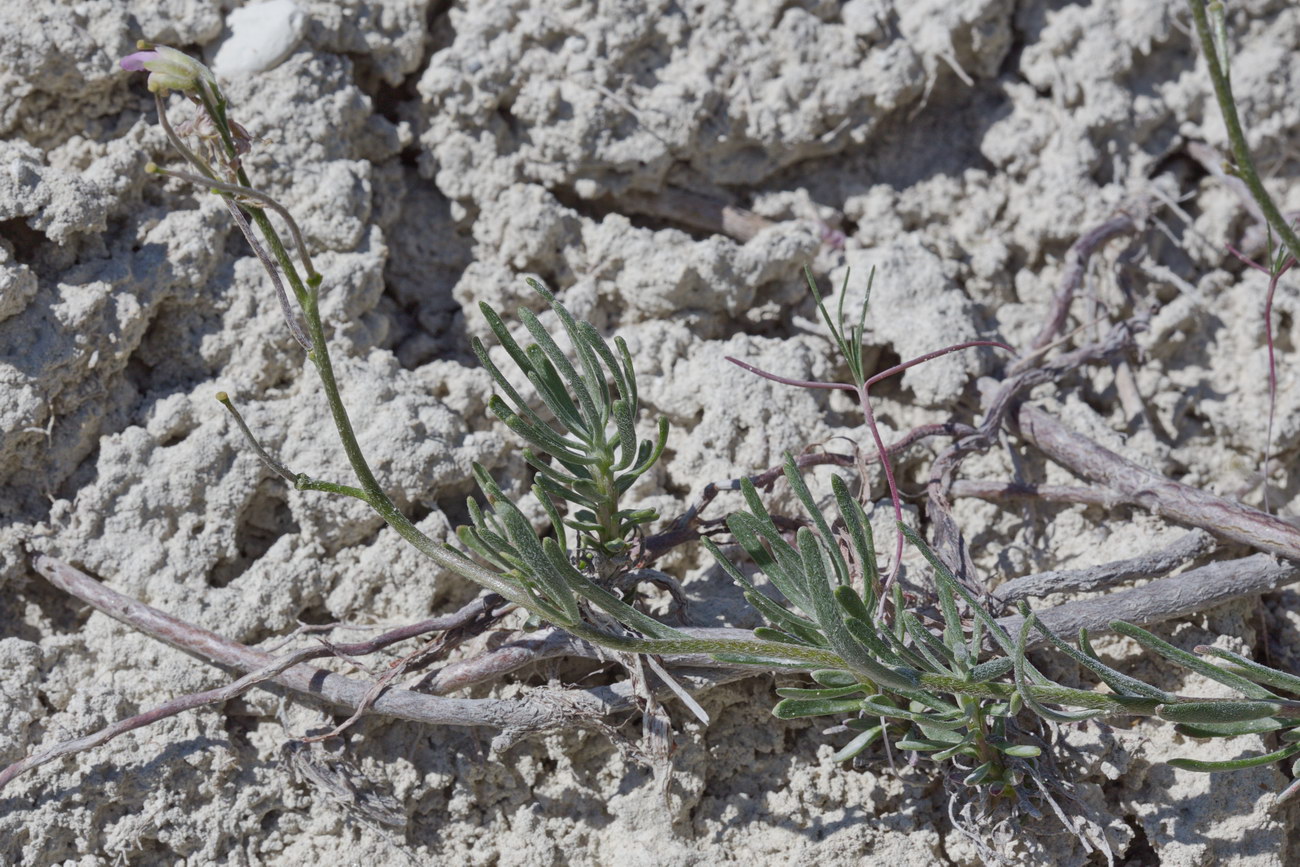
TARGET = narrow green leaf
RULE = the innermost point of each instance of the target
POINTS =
(595, 422)
(800, 488)
(593, 375)
(471, 540)
(792, 708)
(859, 527)
(853, 604)
(832, 677)
(646, 460)
(1232, 730)
(582, 526)
(871, 639)
(874, 707)
(540, 568)
(825, 692)
(803, 629)
(952, 628)
(770, 609)
(943, 735)
(627, 441)
(920, 745)
(1251, 669)
(551, 389)
(503, 337)
(855, 747)
(896, 600)
(553, 514)
(555, 474)
(1022, 683)
(521, 405)
(944, 576)
(612, 604)
(860, 329)
(546, 483)
(539, 435)
(829, 618)
(1236, 764)
(990, 670)
(767, 633)
(962, 749)
(592, 338)
(1019, 751)
(1118, 681)
(901, 648)
(629, 372)
(781, 564)
(979, 775)
(756, 507)
(1191, 661)
(939, 656)
(1217, 711)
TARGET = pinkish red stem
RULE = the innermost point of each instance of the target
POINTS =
(869, 416)
(1273, 279)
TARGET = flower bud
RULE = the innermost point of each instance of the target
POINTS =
(170, 69)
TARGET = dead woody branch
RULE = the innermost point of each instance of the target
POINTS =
(513, 717)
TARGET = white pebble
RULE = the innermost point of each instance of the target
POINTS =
(261, 37)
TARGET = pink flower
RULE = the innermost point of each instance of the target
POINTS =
(135, 62)
(169, 69)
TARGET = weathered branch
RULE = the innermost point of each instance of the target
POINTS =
(1152, 565)
(999, 397)
(537, 712)
(1076, 265)
(999, 491)
(1152, 491)
(1193, 591)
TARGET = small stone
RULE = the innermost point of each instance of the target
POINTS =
(261, 37)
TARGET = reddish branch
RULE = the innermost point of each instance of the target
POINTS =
(1076, 265)
(1000, 397)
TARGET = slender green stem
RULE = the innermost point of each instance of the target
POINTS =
(370, 491)
(814, 657)
(303, 482)
(607, 504)
(275, 466)
(1236, 137)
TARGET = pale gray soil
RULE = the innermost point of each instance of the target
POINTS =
(438, 153)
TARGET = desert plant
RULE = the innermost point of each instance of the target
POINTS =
(960, 693)
(1210, 20)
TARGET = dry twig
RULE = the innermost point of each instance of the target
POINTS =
(1139, 486)
(1076, 265)
(514, 717)
(1153, 565)
(999, 400)
(1193, 591)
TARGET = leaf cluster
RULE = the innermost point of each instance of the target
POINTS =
(959, 691)
(587, 453)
